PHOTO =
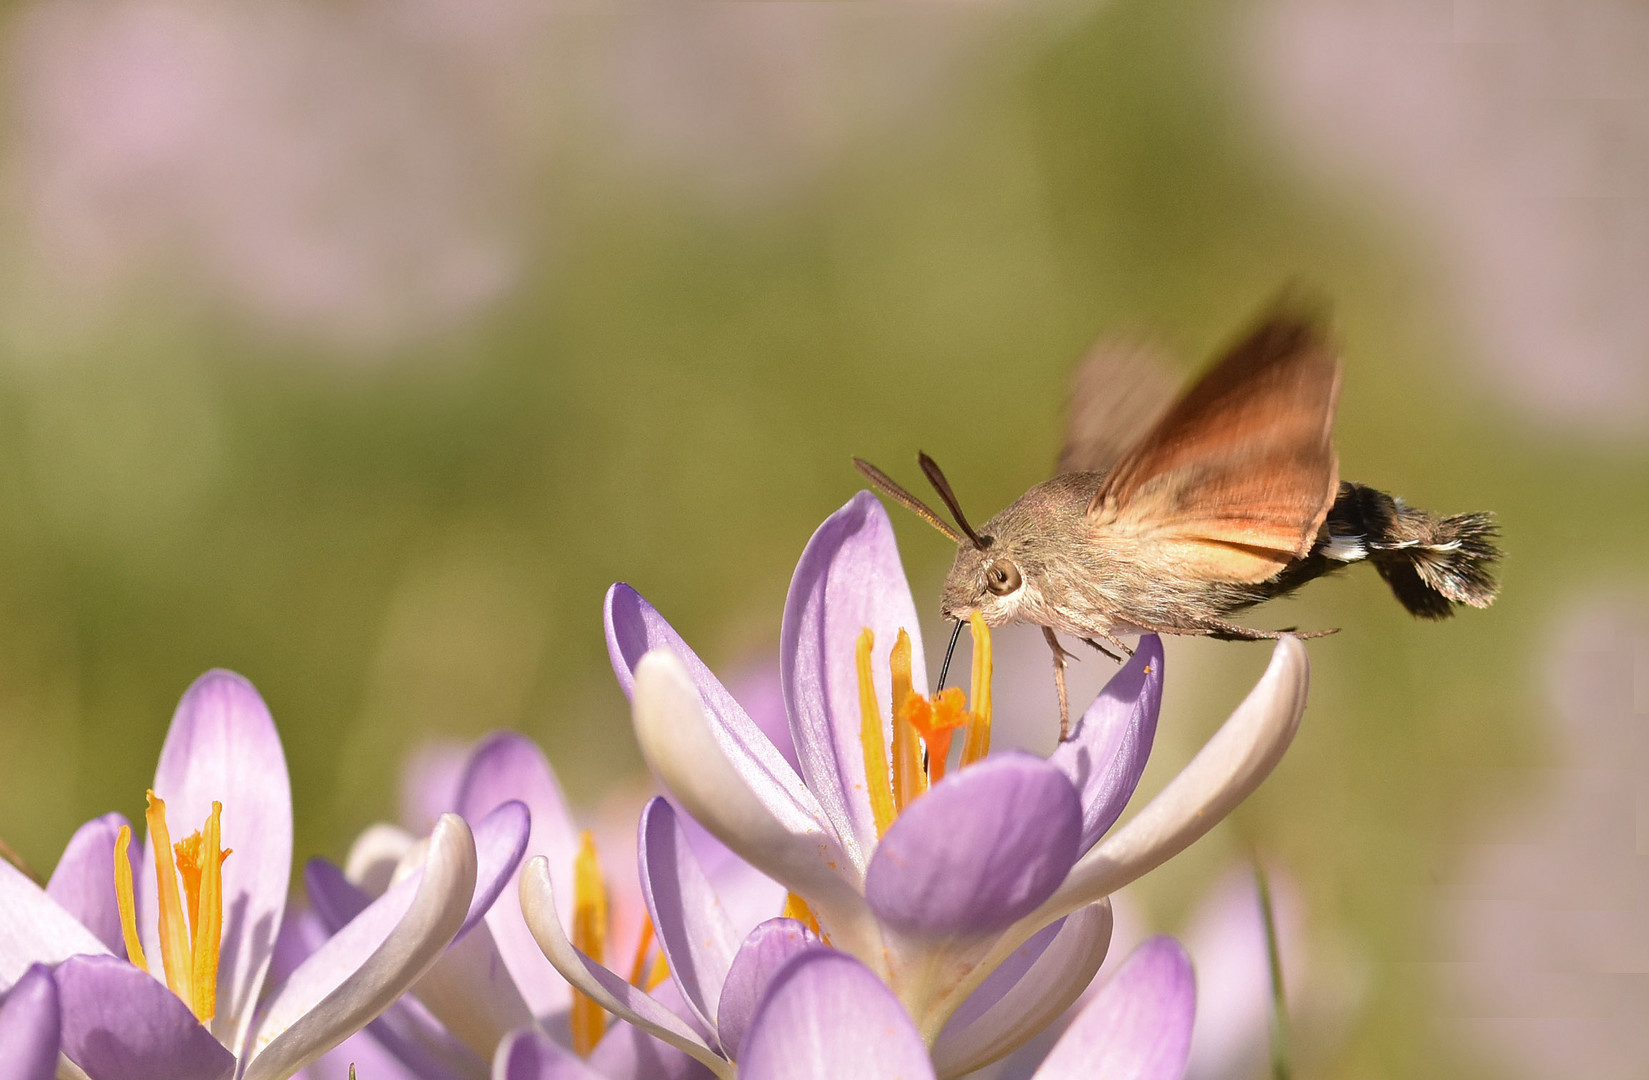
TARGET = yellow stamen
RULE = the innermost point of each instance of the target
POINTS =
(190, 937)
(877, 783)
(797, 908)
(176, 956)
(125, 900)
(644, 941)
(189, 857)
(978, 742)
(588, 1020)
(661, 971)
(206, 911)
(909, 780)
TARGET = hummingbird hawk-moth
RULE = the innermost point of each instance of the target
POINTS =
(1169, 516)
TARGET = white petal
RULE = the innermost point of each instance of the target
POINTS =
(602, 986)
(347, 982)
(374, 856)
(794, 848)
(34, 928)
(1226, 771)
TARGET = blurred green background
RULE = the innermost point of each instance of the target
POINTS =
(501, 304)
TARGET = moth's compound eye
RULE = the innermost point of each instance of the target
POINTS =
(1003, 577)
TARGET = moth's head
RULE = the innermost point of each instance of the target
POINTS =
(986, 576)
(987, 579)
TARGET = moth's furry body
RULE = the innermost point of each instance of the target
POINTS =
(1112, 585)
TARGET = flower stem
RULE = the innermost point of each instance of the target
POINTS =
(1279, 1004)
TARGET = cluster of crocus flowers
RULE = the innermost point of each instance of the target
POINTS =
(100, 923)
(870, 910)
(979, 905)
(492, 997)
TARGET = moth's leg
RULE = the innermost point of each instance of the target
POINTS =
(1225, 631)
(1121, 646)
(1097, 647)
(1231, 632)
(1059, 682)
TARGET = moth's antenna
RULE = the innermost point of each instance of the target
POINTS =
(906, 499)
(944, 669)
(942, 486)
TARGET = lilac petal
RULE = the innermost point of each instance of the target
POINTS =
(469, 990)
(510, 766)
(370, 1060)
(634, 629)
(499, 838)
(500, 842)
(415, 1038)
(626, 1052)
(1028, 992)
(35, 928)
(979, 851)
(429, 783)
(222, 746)
(776, 835)
(827, 1016)
(759, 958)
(1138, 1027)
(693, 931)
(529, 1055)
(29, 1027)
(849, 578)
(1106, 754)
(748, 896)
(761, 691)
(84, 880)
(122, 1024)
(602, 986)
(406, 1031)
(368, 964)
(333, 900)
(1239, 756)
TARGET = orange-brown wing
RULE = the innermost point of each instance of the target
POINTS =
(1118, 391)
(1236, 477)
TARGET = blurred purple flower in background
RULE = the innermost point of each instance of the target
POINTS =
(1548, 936)
(324, 171)
(120, 1022)
(1516, 133)
(362, 174)
(750, 104)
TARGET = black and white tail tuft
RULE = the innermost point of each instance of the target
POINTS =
(1432, 564)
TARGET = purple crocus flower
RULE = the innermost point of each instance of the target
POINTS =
(1004, 866)
(493, 997)
(825, 1015)
(119, 1021)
